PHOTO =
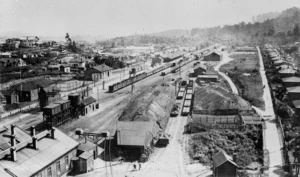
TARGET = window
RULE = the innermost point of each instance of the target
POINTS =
(49, 172)
(58, 169)
(67, 162)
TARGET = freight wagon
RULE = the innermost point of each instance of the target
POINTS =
(180, 95)
(185, 111)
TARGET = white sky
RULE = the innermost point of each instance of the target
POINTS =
(126, 17)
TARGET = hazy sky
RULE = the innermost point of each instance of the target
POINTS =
(125, 17)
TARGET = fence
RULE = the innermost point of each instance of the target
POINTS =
(9, 113)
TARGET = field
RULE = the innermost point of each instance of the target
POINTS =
(244, 72)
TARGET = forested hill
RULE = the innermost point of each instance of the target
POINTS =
(283, 28)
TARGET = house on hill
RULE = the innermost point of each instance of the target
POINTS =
(291, 81)
(224, 165)
(293, 93)
(97, 73)
(213, 56)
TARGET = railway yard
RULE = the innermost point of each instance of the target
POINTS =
(186, 121)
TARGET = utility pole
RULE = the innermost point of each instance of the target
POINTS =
(103, 76)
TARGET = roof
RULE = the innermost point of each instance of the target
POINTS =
(293, 89)
(296, 103)
(102, 68)
(7, 92)
(213, 52)
(50, 106)
(220, 158)
(135, 133)
(291, 79)
(207, 76)
(287, 71)
(88, 100)
(46, 154)
(21, 136)
(86, 146)
(86, 155)
(31, 85)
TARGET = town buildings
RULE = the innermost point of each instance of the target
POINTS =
(97, 73)
(45, 154)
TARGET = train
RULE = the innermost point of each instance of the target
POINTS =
(118, 86)
(188, 98)
(138, 77)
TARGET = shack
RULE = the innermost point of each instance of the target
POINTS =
(224, 165)
(208, 78)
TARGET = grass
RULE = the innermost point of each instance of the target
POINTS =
(244, 72)
(246, 144)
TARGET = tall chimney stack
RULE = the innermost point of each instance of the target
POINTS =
(12, 140)
(32, 131)
(34, 143)
(52, 133)
(12, 129)
(234, 157)
(13, 154)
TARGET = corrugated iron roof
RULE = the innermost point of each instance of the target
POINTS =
(220, 158)
(86, 146)
(102, 68)
(291, 79)
(49, 150)
(293, 89)
(86, 155)
(88, 100)
(136, 133)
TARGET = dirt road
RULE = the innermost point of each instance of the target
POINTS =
(271, 133)
(226, 59)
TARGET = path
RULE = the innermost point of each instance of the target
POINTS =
(271, 133)
(226, 59)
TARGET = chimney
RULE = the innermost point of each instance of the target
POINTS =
(12, 129)
(34, 142)
(52, 133)
(32, 131)
(12, 140)
(234, 158)
(13, 154)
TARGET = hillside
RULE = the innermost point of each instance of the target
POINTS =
(172, 33)
(214, 97)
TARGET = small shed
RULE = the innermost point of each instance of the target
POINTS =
(11, 96)
(88, 105)
(223, 165)
(86, 162)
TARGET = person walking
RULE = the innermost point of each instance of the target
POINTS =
(140, 166)
(134, 167)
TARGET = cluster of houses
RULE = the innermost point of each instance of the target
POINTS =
(288, 73)
(203, 71)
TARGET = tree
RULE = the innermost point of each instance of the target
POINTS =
(296, 30)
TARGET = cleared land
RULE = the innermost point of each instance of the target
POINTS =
(244, 72)
(216, 97)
